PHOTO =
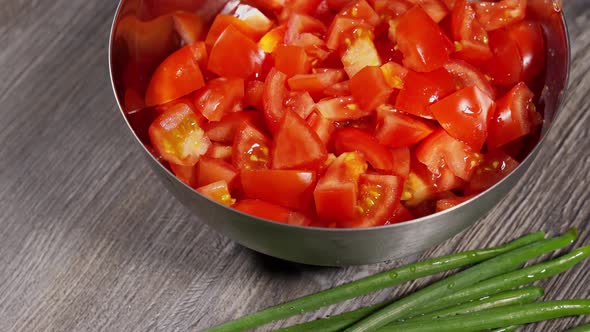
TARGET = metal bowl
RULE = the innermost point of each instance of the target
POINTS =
(339, 247)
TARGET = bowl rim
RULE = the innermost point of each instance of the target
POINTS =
(429, 218)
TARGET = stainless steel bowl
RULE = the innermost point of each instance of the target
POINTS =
(340, 247)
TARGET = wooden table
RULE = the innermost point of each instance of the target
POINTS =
(91, 241)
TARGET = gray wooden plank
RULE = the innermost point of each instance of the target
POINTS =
(91, 241)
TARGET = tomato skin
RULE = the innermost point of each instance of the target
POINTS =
(423, 89)
(210, 170)
(369, 88)
(528, 36)
(352, 139)
(341, 109)
(292, 189)
(465, 115)
(317, 82)
(296, 145)
(219, 97)
(322, 126)
(178, 75)
(441, 151)
(426, 48)
(219, 192)
(473, 39)
(177, 136)
(496, 15)
(273, 97)
(272, 212)
(221, 23)
(224, 131)
(291, 60)
(496, 165)
(397, 130)
(234, 55)
(254, 92)
(466, 75)
(436, 9)
(505, 67)
(337, 191)
(301, 103)
(251, 148)
(512, 117)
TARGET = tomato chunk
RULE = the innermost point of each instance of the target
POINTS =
(251, 149)
(292, 189)
(291, 60)
(254, 92)
(512, 118)
(496, 165)
(359, 54)
(211, 170)
(322, 126)
(451, 202)
(423, 89)
(219, 192)
(426, 48)
(369, 88)
(271, 40)
(221, 23)
(219, 97)
(272, 212)
(396, 130)
(401, 162)
(301, 103)
(528, 36)
(495, 15)
(505, 67)
(274, 94)
(176, 76)
(177, 136)
(352, 139)
(297, 146)
(190, 27)
(360, 9)
(395, 74)
(224, 131)
(465, 115)
(317, 82)
(471, 39)
(234, 55)
(341, 109)
(466, 75)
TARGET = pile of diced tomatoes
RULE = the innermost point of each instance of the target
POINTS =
(340, 113)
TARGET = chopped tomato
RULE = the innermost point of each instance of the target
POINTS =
(190, 27)
(369, 88)
(451, 202)
(498, 14)
(267, 5)
(177, 76)
(440, 151)
(291, 60)
(301, 103)
(465, 115)
(299, 23)
(496, 165)
(342, 28)
(322, 126)
(378, 198)
(336, 193)
(512, 118)
(221, 23)
(177, 136)
(528, 36)
(219, 96)
(220, 151)
(269, 42)
(397, 130)
(395, 74)
(471, 39)
(272, 212)
(251, 148)
(274, 95)
(422, 42)
(219, 192)
(466, 75)
(400, 214)
(423, 89)
(292, 189)
(337, 5)
(234, 55)
(401, 162)
(296, 145)
(211, 170)
(505, 67)
(359, 54)
(341, 109)
(185, 174)
(224, 131)
(254, 92)
(419, 187)
(314, 47)
(317, 82)
(361, 10)
(352, 139)
(254, 18)
(302, 6)
(436, 9)
(339, 89)
(392, 8)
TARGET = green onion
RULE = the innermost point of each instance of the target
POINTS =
(491, 268)
(371, 284)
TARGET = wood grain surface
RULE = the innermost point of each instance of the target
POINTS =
(91, 241)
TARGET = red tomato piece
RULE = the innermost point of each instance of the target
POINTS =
(299, 23)
(339, 89)
(296, 145)
(219, 96)
(344, 27)
(419, 187)
(360, 54)
(528, 36)
(378, 199)
(272, 212)
(496, 165)
(400, 214)
(190, 27)
(301, 103)
(425, 48)
(395, 74)
(211, 170)
(369, 88)
(314, 46)
(177, 76)
(267, 5)
(292, 189)
(274, 95)
(317, 82)
(397, 130)
(341, 109)
(336, 193)
(423, 89)
(220, 151)
(221, 23)
(251, 148)
(512, 118)
(451, 202)
(254, 18)
(466, 75)
(471, 39)
(361, 10)
(186, 174)
(219, 192)
(322, 126)
(392, 8)
(337, 5)
(441, 151)
(224, 131)
(465, 115)
(401, 162)
(505, 67)
(353, 139)
(291, 60)
(269, 42)
(302, 6)
(498, 14)
(436, 9)
(177, 136)
(234, 55)
(254, 93)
